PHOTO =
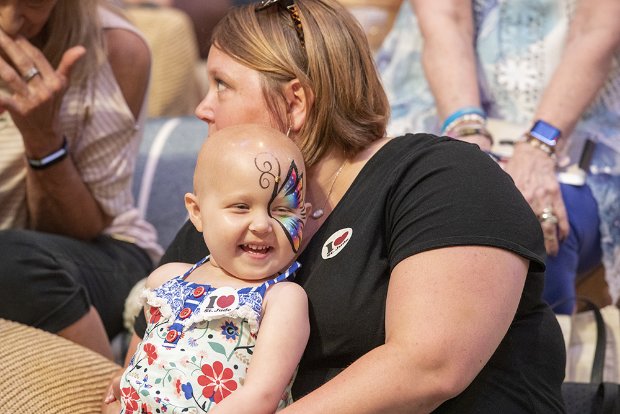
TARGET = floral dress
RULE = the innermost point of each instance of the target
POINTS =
(197, 346)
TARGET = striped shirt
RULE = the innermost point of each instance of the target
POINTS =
(103, 138)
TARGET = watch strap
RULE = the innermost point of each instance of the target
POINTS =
(545, 132)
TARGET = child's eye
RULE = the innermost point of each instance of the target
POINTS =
(282, 211)
(240, 207)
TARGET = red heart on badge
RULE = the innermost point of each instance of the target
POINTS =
(340, 239)
(225, 301)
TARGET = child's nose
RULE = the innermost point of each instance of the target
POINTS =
(261, 223)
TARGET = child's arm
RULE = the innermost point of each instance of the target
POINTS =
(281, 341)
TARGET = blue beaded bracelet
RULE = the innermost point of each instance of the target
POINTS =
(468, 110)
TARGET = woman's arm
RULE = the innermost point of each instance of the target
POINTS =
(593, 38)
(449, 58)
(281, 341)
(436, 342)
(58, 199)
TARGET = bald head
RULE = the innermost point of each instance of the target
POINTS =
(247, 143)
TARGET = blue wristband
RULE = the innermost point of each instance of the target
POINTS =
(468, 110)
(545, 132)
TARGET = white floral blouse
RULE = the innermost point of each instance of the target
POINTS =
(197, 346)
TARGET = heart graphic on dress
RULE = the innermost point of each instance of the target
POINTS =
(225, 301)
(340, 239)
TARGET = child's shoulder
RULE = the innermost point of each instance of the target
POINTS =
(286, 292)
(286, 301)
(165, 272)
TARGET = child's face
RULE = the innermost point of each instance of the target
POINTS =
(252, 220)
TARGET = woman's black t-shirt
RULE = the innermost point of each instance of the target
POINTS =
(421, 192)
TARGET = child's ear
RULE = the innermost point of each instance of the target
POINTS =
(193, 209)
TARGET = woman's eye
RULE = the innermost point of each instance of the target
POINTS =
(219, 85)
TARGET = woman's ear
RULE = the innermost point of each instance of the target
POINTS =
(298, 103)
(193, 209)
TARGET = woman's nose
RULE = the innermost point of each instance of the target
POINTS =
(11, 19)
(204, 110)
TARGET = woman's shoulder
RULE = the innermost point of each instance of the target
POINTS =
(125, 47)
(417, 165)
(130, 59)
(410, 143)
(423, 149)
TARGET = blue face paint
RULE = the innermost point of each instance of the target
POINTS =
(289, 193)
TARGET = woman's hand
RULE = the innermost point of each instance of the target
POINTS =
(36, 90)
(533, 172)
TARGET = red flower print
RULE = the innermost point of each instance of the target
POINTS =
(217, 381)
(151, 352)
(155, 315)
(129, 399)
(145, 409)
(177, 386)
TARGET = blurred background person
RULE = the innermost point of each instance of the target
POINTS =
(449, 65)
(74, 80)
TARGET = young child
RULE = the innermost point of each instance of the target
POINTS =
(203, 350)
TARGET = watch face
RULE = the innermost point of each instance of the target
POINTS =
(545, 132)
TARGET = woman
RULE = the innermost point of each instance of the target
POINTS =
(549, 60)
(74, 79)
(423, 265)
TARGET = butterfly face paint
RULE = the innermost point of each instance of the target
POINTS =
(289, 196)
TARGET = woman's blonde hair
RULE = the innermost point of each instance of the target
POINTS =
(72, 23)
(348, 107)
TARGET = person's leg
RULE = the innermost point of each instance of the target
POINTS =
(578, 253)
(67, 286)
(89, 331)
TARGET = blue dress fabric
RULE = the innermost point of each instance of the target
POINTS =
(518, 46)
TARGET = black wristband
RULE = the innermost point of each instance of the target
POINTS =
(51, 159)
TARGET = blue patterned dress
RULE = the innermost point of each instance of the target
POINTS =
(197, 346)
(519, 44)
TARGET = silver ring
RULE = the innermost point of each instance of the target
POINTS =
(30, 73)
(548, 216)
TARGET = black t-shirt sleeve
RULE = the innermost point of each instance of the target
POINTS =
(450, 193)
(139, 324)
(188, 246)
